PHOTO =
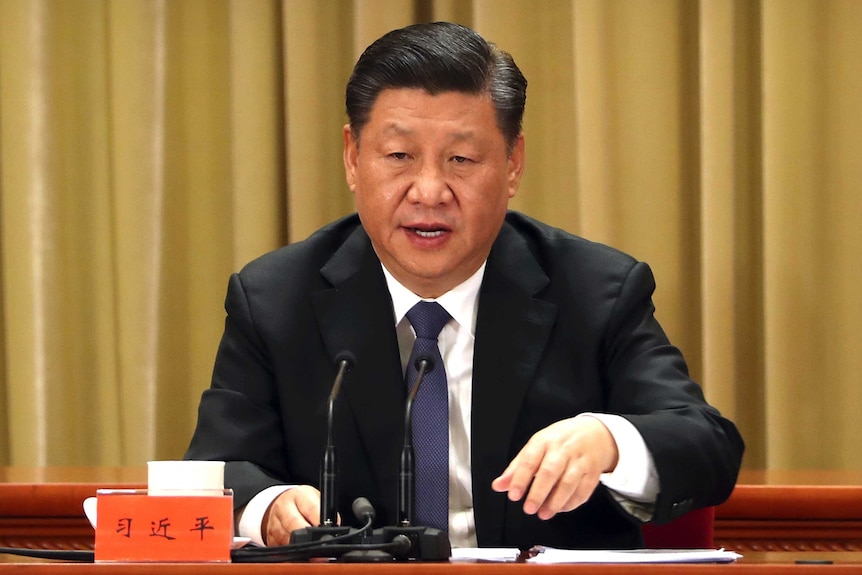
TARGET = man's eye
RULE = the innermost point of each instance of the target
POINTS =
(460, 159)
(398, 155)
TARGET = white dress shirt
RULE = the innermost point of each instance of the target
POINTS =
(634, 481)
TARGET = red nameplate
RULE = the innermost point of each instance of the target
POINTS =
(134, 526)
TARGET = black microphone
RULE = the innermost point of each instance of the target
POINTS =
(351, 546)
(328, 471)
(426, 543)
(407, 470)
(328, 468)
(363, 510)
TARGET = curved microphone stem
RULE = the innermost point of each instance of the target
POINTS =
(407, 470)
(328, 471)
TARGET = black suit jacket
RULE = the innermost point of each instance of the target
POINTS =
(564, 326)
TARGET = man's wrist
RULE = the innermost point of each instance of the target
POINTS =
(634, 475)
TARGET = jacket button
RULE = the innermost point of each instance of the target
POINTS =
(680, 507)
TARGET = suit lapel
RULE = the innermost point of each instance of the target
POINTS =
(356, 315)
(512, 329)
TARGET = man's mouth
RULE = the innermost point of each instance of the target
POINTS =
(428, 233)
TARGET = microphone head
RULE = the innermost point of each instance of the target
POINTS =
(347, 357)
(362, 509)
(429, 363)
(401, 545)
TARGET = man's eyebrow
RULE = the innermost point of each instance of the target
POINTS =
(464, 135)
(401, 130)
(398, 129)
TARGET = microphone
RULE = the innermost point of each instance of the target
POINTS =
(349, 546)
(328, 489)
(407, 471)
(426, 543)
(363, 510)
(328, 526)
(396, 543)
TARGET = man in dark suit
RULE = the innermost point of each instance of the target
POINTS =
(571, 417)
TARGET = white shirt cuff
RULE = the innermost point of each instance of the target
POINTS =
(251, 516)
(635, 476)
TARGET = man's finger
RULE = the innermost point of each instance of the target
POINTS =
(568, 493)
(546, 481)
(521, 471)
(308, 504)
(294, 509)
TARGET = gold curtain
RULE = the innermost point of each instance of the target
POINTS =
(148, 148)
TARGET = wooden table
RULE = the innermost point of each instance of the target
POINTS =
(42, 507)
(792, 511)
(800, 515)
(752, 564)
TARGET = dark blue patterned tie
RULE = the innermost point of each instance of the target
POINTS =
(430, 418)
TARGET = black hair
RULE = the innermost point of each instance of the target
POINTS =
(438, 57)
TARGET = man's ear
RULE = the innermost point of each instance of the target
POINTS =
(351, 150)
(516, 165)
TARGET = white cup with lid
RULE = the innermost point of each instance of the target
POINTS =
(174, 477)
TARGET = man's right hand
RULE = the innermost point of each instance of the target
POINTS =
(296, 508)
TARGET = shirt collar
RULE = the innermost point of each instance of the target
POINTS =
(460, 301)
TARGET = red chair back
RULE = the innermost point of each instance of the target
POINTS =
(694, 530)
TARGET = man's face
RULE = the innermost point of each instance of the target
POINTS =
(432, 180)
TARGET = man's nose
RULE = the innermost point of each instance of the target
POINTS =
(430, 185)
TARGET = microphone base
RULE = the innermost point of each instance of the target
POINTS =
(426, 543)
(319, 533)
(366, 556)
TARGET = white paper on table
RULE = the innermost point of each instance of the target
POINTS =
(553, 555)
(501, 554)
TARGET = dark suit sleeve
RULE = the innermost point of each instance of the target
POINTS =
(697, 452)
(238, 417)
